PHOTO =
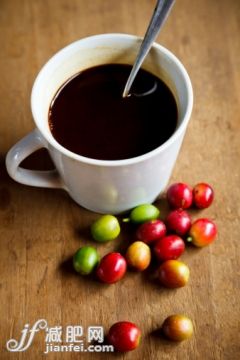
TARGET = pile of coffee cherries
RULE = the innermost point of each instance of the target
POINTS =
(164, 240)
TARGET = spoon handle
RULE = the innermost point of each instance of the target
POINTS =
(159, 17)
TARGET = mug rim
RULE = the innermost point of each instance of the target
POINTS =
(134, 160)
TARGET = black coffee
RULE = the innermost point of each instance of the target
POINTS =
(89, 117)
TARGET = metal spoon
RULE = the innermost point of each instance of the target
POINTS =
(159, 17)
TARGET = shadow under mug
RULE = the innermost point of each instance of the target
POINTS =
(101, 185)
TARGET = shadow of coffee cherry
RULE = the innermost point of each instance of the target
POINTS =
(161, 339)
(67, 270)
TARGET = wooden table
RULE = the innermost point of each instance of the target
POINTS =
(40, 229)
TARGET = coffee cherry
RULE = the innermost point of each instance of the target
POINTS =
(179, 222)
(151, 231)
(169, 247)
(112, 268)
(202, 232)
(177, 327)
(138, 255)
(124, 336)
(105, 229)
(85, 260)
(173, 274)
(179, 196)
(143, 213)
(203, 195)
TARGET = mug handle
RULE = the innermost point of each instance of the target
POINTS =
(22, 149)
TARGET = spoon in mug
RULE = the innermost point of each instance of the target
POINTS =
(159, 17)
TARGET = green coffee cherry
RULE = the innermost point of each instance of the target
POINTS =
(105, 229)
(143, 213)
(85, 260)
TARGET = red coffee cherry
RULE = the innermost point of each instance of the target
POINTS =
(203, 195)
(179, 222)
(179, 196)
(169, 247)
(111, 268)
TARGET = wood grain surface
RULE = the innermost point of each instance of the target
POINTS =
(41, 229)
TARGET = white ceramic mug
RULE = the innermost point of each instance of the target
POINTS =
(100, 185)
